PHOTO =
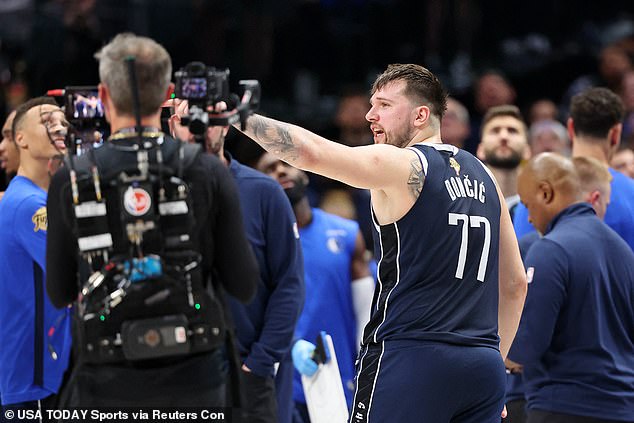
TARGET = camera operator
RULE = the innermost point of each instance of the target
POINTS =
(186, 379)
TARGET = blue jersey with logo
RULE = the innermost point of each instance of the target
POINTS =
(619, 214)
(576, 336)
(328, 243)
(35, 336)
(438, 264)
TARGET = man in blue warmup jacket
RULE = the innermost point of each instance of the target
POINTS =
(265, 326)
(595, 179)
(576, 336)
(339, 286)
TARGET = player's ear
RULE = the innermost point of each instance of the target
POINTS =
(423, 115)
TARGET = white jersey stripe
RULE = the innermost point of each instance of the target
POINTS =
(440, 147)
(356, 389)
(488, 171)
(422, 158)
(378, 265)
(445, 147)
(376, 377)
(398, 278)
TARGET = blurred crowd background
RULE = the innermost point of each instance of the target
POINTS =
(309, 53)
(316, 61)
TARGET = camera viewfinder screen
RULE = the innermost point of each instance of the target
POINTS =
(194, 88)
(87, 105)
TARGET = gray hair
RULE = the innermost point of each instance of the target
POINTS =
(553, 126)
(153, 72)
(461, 111)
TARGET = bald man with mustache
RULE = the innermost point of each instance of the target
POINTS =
(576, 335)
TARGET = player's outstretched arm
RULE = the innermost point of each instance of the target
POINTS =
(378, 167)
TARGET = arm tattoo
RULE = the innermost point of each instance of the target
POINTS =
(285, 144)
(416, 178)
(273, 136)
(258, 126)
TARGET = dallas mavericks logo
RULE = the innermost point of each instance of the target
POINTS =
(137, 201)
(335, 241)
(334, 245)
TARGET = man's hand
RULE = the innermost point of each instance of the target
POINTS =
(215, 135)
(179, 131)
(512, 366)
(302, 354)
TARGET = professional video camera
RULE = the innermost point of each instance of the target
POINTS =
(85, 113)
(204, 87)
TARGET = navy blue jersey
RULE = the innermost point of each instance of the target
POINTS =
(438, 264)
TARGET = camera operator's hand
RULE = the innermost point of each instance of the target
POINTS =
(215, 135)
(177, 129)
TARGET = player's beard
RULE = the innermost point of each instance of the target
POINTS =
(402, 138)
(509, 162)
(296, 192)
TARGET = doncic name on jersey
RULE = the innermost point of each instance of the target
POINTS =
(464, 187)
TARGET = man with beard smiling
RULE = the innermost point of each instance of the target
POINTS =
(503, 146)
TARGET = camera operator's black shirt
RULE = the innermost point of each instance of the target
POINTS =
(195, 380)
(226, 252)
